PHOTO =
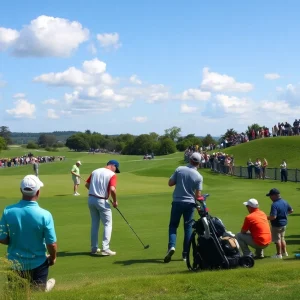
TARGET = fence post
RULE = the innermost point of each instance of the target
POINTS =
(275, 169)
(296, 175)
(241, 171)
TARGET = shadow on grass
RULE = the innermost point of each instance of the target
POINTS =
(62, 195)
(142, 261)
(295, 236)
(294, 215)
(293, 242)
(66, 254)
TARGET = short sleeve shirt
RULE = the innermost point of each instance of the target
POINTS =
(187, 180)
(30, 228)
(75, 169)
(258, 225)
(280, 209)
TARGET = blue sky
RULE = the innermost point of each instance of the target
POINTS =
(143, 66)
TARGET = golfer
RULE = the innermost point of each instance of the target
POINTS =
(188, 186)
(101, 184)
(28, 230)
(255, 231)
(280, 209)
(36, 167)
(76, 177)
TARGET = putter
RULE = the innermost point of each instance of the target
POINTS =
(145, 246)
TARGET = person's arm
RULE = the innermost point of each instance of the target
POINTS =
(172, 180)
(4, 233)
(88, 182)
(199, 188)
(50, 239)
(112, 190)
(73, 173)
(290, 210)
(52, 250)
(273, 213)
(246, 226)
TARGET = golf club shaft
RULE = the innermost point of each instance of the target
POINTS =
(130, 227)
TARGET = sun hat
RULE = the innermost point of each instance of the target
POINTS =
(252, 203)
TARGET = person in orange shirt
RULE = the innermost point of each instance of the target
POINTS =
(255, 232)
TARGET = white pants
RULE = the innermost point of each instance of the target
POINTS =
(100, 210)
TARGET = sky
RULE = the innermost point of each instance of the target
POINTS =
(145, 66)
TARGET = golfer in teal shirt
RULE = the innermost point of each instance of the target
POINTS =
(29, 232)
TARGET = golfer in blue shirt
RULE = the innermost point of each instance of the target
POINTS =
(28, 231)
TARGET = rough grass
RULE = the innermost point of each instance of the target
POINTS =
(145, 199)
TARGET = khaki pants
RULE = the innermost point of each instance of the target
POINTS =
(245, 240)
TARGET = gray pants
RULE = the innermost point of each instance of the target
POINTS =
(245, 240)
(100, 210)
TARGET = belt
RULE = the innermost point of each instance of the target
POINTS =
(97, 197)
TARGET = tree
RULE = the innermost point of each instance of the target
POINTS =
(207, 140)
(3, 144)
(228, 134)
(32, 145)
(167, 146)
(46, 140)
(254, 126)
(173, 133)
(77, 142)
(6, 134)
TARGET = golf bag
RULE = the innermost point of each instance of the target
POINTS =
(211, 246)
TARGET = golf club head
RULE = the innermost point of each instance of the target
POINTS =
(147, 246)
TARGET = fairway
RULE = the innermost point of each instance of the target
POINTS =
(145, 200)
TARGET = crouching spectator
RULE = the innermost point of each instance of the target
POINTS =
(255, 232)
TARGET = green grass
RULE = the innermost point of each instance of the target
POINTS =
(273, 149)
(145, 200)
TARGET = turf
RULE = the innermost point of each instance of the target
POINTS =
(274, 149)
(145, 201)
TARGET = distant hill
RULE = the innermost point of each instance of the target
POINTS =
(24, 137)
(274, 149)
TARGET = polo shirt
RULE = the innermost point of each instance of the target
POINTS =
(30, 228)
(280, 209)
(258, 225)
(100, 182)
(75, 169)
(187, 180)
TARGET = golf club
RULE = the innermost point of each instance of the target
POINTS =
(145, 246)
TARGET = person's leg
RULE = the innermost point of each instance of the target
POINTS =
(176, 213)
(39, 276)
(188, 214)
(285, 175)
(95, 222)
(281, 175)
(283, 243)
(106, 219)
(276, 238)
(245, 240)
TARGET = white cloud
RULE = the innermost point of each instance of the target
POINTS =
(140, 119)
(51, 114)
(234, 104)
(22, 109)
(109, 40)
(94, 66)
(45, 36)
(135, 80)
(19, 95)
(223, 83)
(280, 108)
(188, 109)
(272, 76)
(7, 37)
(194, 94)
(50, 101)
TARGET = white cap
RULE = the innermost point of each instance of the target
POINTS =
(196, 157)
(252, 203)
(78, 162)
(30, 185)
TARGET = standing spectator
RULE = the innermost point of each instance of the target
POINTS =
(76, 177)
(250, 168)
(188, 186)
(101, 184)
(28, 230)
(264, 166)
(280, 209)
(36, 167)
(283, 171)
(257, 167)
(255, 231)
